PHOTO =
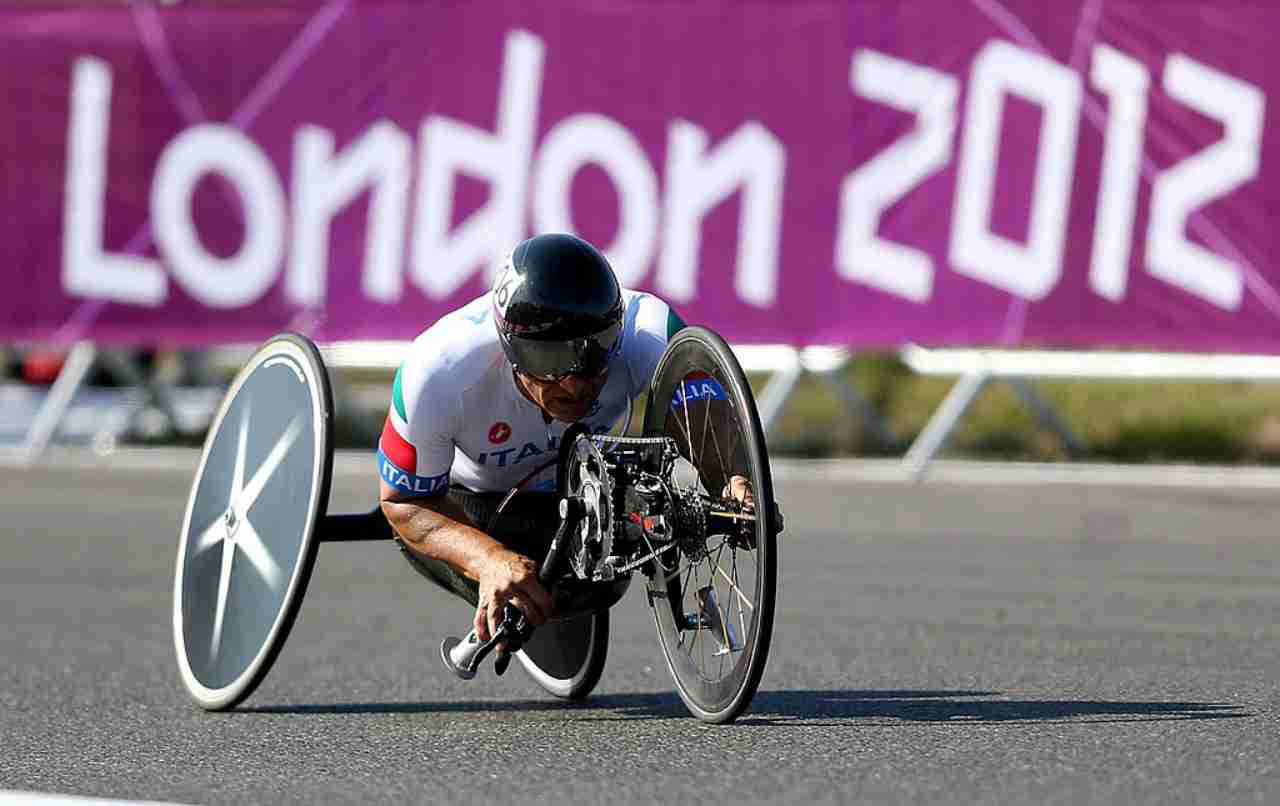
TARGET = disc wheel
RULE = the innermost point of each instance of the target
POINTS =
(713, 604)
(248, 539)
(566, 658)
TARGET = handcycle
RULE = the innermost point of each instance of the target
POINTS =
(688, 505)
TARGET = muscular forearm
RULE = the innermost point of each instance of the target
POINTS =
(438, 529)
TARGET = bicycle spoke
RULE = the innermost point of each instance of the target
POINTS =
(706, 421)
(736, 589)
(726, 650)
(684, 588)
(688, 429)
(715, 442)
(742, 615)
(698, 644)
(737, 442)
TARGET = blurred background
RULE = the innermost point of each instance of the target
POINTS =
(1007, 230)
(182, 180)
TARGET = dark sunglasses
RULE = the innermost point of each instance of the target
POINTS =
(553, 361)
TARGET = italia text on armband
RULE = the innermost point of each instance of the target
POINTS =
(408, 482)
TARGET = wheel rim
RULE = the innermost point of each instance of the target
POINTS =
(724, 583)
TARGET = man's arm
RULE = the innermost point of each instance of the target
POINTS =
(436, 528)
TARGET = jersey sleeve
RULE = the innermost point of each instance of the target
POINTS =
(652, 324)
(416, 448)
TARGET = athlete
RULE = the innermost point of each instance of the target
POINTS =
(479, 407)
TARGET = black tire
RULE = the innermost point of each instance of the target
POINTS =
(699, 393)
(229, 623)
(567, 658)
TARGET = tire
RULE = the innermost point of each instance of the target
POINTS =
(699, 396)
(566, 658)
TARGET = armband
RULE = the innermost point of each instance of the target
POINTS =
(408, 482)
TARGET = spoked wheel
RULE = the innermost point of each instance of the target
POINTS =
(713, 602)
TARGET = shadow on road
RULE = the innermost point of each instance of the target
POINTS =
(814, 707)
(808, 707)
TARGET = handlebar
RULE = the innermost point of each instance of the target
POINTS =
(463, 656)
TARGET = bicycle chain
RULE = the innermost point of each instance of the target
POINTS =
(639, 561)
(631, 440)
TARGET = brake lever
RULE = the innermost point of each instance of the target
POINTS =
(518, 630)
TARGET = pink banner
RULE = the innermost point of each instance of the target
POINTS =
(866, 174)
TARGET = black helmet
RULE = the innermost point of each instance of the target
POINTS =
(558, 307)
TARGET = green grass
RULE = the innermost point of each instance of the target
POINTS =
(1128, 421)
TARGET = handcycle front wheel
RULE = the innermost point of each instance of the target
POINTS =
(713, 602)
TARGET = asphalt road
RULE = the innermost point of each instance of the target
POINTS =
(944, 643)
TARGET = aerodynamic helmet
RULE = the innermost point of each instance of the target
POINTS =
(558, 308)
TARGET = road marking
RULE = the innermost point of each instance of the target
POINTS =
(12, 797)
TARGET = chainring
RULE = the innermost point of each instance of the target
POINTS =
(587, 478)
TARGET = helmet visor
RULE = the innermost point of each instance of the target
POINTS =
(553, 360)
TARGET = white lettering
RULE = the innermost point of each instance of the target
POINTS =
(442, 263)
(219, 282)
(1033, 269)
(1203, 177)
(752, 159)
(867, 192)
(87, 269)
(322, 185)
(1125, 82)
(578, 141)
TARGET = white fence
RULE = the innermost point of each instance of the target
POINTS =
(30, 419)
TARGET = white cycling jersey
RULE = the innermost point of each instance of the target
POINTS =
(458, 417)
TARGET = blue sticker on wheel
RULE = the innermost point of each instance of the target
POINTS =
(698, 386)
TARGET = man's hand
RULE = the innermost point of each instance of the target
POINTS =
(512, 578)
(739, 489)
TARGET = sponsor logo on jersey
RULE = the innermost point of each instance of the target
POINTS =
(499, 433)
(515, 456)
(698, 386)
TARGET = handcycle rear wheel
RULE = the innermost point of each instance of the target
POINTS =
(713, 604)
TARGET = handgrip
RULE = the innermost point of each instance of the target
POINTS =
(462, 657)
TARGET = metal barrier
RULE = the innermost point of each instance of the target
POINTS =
(31, 416)
(976, 368)
(37, 418)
